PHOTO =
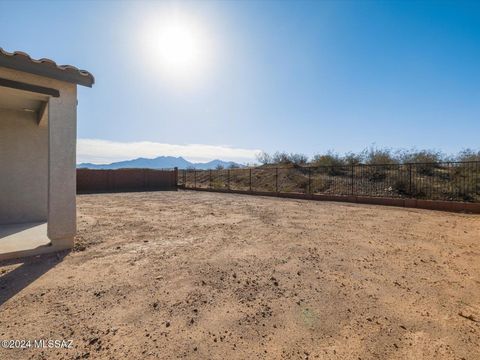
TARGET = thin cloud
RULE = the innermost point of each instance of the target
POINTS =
(99, 151)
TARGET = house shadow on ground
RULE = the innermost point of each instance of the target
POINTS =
(31, 268)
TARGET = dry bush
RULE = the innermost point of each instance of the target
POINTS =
(264, 158)
(426, 160)
(329, 159)
(351, 158)
(468, 155)
(376, 156)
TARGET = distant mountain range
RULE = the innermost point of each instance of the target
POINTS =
(161, 162)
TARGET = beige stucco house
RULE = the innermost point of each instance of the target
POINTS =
(38, 124)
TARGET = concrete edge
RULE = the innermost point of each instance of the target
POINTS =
(40, 250)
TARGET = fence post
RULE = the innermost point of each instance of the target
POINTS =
(353, 168)
(176, 177)
(184, 178)
(410, 180)
(250, 179)
(210, 179)
(309, 180)
(276, 179)
(195, 178)
(228, 179)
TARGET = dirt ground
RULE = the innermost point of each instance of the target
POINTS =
(222, 276)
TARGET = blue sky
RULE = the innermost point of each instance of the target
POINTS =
(295, 76)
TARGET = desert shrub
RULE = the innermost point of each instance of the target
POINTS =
(422, 156)
(376, 174)
(375, 156)
(264, 158)
(283, 158)
(467, 196)
(426, 169)
(303, 184)
(219, 167)
(329, 159)
(465, 182)
(298, 159)
(218, 184)
(332, 161)
(444, 174)
(351, 158)
(425, 160)
(401, 187)
(468, 155)
(321, 185)
(404, 188)
(292, 180)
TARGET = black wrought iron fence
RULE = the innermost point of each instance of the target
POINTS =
(455, 181)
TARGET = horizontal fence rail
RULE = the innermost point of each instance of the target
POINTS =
(446, 181)
(89, 180)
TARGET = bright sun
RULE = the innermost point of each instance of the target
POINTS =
(178, 45)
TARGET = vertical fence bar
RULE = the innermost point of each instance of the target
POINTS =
(176, 176)
(250, 179)
(276, 179)
(309, 180)
(450, 173)
(195, 178)
(410, 180)
(210, 178)
(352, 191)
(477, 182)
(228, 179)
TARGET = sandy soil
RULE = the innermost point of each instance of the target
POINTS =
(222, 276)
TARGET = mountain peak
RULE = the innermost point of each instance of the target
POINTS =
(160, 162)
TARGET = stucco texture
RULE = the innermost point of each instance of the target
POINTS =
(38, 162)
(24, 168)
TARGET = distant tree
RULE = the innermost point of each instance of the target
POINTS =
(372, 156)
(233, 166)
(468, 155)
(298, 159)
(264, 158)
(280, 158)
(284, 158)
(219, 167)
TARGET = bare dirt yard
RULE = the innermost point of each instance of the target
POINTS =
(221, 276)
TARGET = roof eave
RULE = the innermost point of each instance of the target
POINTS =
(45, 67)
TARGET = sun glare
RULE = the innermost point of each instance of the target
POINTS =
(178, 46)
